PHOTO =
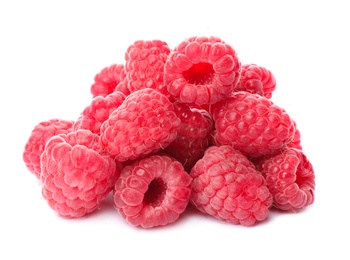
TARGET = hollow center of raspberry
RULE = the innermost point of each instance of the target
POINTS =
(199, 74)
(155, 193)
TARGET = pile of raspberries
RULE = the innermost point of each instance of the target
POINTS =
(175, 128)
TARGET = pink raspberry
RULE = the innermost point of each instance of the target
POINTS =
(227, 186)
(296, 141)
(290, 178)
(35, 145)
(143, 124)
(107, 79)
(256, 79)
(76, 175)
(98, 111)
(252, 124)
(145, 65)
(202, 70)
(193, 135)
(152, 191)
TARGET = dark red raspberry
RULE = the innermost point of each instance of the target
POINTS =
(202, 70)
(152, 191)
(143, 124)
(193, 135)
(256, 79)
(98, 111)
(290, 178)
(107, 79)
(227, 186)
(76, 175)
(35, 145)
(145, 65)
(252, 124)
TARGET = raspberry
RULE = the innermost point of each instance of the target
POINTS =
(35, 145)
(107, 79)
(193, 135)
(145, 65)
(152, 191)
(144, 123)
(296, 141)
(227, 186)
(98, 111)
(202, 70)
(123, 87)
(252, 124)
(290, 178)
(256, 79)
(76, 175)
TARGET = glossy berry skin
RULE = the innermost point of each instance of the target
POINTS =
(144, 64)
(143, 124)
(35, 144)
(193, 135)
(107, 80)
(227, 186)
(202, 70)
(98, 111)
(152, 191)
(252, 124)
(76, 174)
(256, 79)
(290, 178)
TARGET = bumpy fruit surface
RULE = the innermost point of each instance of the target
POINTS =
(152, 191)
(227, 186)
(76, 175)
(107, 80)
(256, 79)
(202, 70)
(143, 124)
(252, 124)
(144, 65)
(290, 178)
(35, 144)
(193, 135)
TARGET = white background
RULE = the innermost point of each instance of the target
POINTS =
(49, 54)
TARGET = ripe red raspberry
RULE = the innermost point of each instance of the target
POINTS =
(256, 79)
(193, 135)
(252, 124)
(98, 111)
(35, 145)
(76, 175)
(145, 65)
(107, 79)
(290, 178)
(227, 186)
(202, 70)
(143, 124)
(152, 191)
